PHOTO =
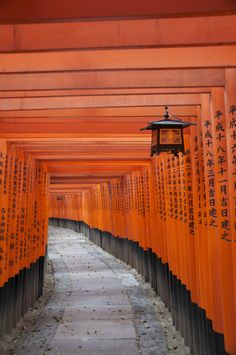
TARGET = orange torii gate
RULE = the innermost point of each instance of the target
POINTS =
(73, 97)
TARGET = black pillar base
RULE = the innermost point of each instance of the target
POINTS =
(19, 293)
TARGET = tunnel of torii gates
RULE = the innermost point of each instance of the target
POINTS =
(77, 82)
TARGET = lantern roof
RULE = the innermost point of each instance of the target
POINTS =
(167, 121)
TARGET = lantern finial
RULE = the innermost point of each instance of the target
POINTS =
(166, 115)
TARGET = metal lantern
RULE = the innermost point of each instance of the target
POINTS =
(167, 134)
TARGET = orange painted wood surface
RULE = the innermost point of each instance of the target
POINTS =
(75, 91)
(123, 59)
(23, 207)
(100, 79)
(118, 33)
(45, 10)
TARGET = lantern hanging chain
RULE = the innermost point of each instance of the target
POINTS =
(167, 115)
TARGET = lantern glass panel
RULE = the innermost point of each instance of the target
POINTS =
(170, 136)
(154, 137)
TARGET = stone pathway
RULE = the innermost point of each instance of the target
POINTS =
(97, 318)
(97, 306)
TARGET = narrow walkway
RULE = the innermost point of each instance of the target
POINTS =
(97, 306)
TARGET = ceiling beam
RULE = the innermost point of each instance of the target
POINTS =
(59, 10)
(53, 103)
(102, 92)
(154, 58)
(106, 112)
(98, 127)
(114, 79)
(118, 33)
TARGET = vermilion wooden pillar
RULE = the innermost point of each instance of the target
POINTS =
(230, 100)
(220, 267)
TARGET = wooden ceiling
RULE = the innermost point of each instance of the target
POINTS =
(78, 80)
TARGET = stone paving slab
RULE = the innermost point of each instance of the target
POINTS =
(96, 329)
(98, 274)
(107, 283)
(94, 347)
(94, 292)
(99, 312)
(93, 300)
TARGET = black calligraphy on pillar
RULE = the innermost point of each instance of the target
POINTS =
(221, 171)
(189, 194)
(232, 154)
(210, 173)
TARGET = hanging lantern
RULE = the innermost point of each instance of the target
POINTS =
(167, 135)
